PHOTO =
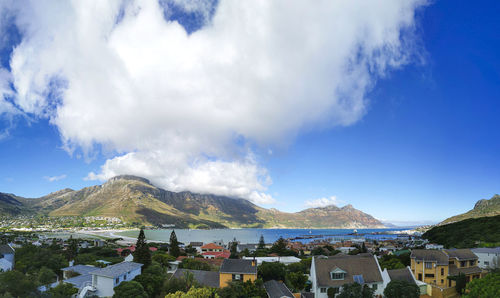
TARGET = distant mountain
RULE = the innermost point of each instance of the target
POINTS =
(482, 208)
(10, 205)
(135, 199)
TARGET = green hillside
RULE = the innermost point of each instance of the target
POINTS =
(482, 208)
(473, 232)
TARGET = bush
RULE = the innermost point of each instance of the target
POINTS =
(399, 288)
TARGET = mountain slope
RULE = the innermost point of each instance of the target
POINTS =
(482, 208)
(135, 199)
(11, 205)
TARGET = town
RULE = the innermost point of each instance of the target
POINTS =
(35, 264)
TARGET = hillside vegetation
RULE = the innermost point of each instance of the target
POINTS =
(482, 208)
(473, 232)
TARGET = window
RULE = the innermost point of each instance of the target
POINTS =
(486, 263)
(463, 263)
(471, 263)
(338, 275)
(322, 290)
(237, 276)
(442, 271)
(117, 280)
(428, 265)
(429, 275)
(374, 286)
(442, 281)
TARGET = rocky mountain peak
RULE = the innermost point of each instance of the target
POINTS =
(129, 178)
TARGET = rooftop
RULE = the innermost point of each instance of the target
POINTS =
(205, 278)
(430, 255)
(116, 270)
(6, 249)
(79, 280)
(403, 274)
(80, 269)
(468, 270)
(211, 246)
(461, 254)
(238, 266)
(276, 289)
(489, 250)
(361, 264)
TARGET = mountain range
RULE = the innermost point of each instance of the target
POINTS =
(482, 208)
(135, 200)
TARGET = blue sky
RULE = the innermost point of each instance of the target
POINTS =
(425, 148)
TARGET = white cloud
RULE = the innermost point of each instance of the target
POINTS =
(323, 202)
(55, 178)
(188, 111)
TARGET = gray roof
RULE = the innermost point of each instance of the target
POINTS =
(79, 280)
(196, 243)
(361, 264)
(6, 249)
(430, 255)
(461, 254)
(467, 270)
(116, 270)
(276, 289)
(238, 266)
(403, 274)
(307, 295)
(80, 269)
(486, 250)
(205, 278)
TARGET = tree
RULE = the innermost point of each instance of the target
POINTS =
(195, 292)
(460, 282)
(272, 270)
(142, 254)
(130, 289)
(279, 247)
(17, 284)
(391, 263)
(174, 245)
(356, 290)
(401, 288)
(163, 259)
(72, 249)
(182, 284)
(262, 244)
(194, 264)
(46, 276)
(238, 289)
(152, 279)
(62, 290)
(234, 252)
(296, 280)
(486, 287)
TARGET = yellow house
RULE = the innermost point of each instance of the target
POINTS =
(435, 266)
(237, 270)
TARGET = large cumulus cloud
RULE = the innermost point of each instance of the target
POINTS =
(189, 110)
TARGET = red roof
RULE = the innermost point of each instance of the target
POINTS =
(218, 254)
(132, 249)
(211, 246)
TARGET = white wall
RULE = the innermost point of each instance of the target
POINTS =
(486, 260)
(104, 286)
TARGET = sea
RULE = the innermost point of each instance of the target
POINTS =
(270, 235)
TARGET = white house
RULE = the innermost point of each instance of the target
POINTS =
(488, 258)
(6, 257)
(101, 282)
(433, 246)
(284, 260)
(346, 249)
(335, 271)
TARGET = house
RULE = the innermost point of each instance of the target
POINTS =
(433, 246)
(6, 257)
(69, 272)
(250, 247)
(434, 266)
(335, 271)
(197, 246)
(102, 281)
(212, 251)
(346, 249)
(237, 269)
(276, 289)
(284, 260)
(488, 258)
(404, 274)
(204, 278)
(388, 248)
(132, 249)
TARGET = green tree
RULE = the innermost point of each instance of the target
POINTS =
(72, 249)
(17, 284)
(46, 276)
(152, 279)
(401, 288)
(194, 264)
(142, 254)
(182, 284)
(486, 287)
(174, 245)
(279, 247)
(296, 281)
(391, 263)
(62, 290)
(163, 259)
(356, 290)
(195, 292)
(234, 252)
(238, 289)
(262, 244)
(460, 282)
(129, 289)
(272, 270)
